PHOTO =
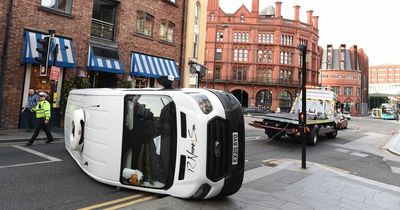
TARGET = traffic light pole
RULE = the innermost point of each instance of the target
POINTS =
(303, 49)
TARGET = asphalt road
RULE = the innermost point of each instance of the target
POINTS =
(44, 176)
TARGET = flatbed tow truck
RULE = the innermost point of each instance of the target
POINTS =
(321, 118)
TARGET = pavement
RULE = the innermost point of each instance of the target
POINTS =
(278, 184)
(20, 135)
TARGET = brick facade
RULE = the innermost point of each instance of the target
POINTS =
(343, 70)
(30, 15)
(287, 34)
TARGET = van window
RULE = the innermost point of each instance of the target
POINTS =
(149, 141)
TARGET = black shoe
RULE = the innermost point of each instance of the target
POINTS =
(48, 141)
(29, 144)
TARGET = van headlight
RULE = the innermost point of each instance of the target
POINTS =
(203, 102)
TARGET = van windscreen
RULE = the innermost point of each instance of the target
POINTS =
(149, 141)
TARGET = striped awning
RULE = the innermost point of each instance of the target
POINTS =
(151, 66)
(105, 60)
(65, 56)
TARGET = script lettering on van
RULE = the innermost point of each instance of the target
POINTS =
(191, 154)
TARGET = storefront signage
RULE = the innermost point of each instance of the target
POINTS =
(55, 73)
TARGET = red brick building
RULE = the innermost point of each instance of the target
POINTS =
(254, 54)
(345, 71)
(103, 40)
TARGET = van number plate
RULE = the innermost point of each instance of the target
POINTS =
(235, 148)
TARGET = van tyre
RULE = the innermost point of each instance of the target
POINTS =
(312, 137)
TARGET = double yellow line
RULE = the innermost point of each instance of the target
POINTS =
(111, 206)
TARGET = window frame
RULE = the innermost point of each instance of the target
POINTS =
(144, 23)
(170, 25)
(68, 6)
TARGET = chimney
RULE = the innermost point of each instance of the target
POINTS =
(355, 57)
(278, 9)
(309, 17)
(255, 6)
(315, 21)
(297, 13)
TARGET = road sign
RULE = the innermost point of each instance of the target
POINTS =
(55, 73)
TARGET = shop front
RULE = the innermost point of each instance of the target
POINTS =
(147, 68)
(104, 65)
(39, 80)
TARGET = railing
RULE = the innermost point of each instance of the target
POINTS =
(102, 29)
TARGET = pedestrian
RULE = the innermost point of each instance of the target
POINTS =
(28, 109)
(43, 115)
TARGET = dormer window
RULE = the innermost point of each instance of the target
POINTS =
(242, 18)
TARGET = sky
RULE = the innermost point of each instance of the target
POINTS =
(371, 25)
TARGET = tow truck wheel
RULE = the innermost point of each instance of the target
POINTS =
(272, 134)
(312, 137)
(333, 134)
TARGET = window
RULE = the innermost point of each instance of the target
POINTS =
(212, 17)
(218, 72)
(242, 18)
(269, 76)
(167, 29)
(149, 138)
(196, 14)
(235, 55)
(285, 101)
(144, 23)
(220, 36)
(218, 55)
(261, 74)
(195, 46)
(240, 73)
(348, 91)
(264, 56)
(285, 76)
(358, 91)
(59, 5)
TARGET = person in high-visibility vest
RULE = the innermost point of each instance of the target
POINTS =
(43, 115)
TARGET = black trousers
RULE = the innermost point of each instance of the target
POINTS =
(39, 126)
(31, 119)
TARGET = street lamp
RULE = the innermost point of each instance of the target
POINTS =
(215, 50)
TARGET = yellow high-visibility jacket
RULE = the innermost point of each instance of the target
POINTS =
(42, 110)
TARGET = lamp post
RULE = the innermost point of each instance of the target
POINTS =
(303, 114)
(215, 51)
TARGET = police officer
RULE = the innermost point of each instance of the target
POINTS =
(42, 110)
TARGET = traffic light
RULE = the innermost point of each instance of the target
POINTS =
(43, 50)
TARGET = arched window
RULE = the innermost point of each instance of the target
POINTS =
(196, 31)
(285, 101)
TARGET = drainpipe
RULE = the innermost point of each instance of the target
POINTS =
(5, 55)
(182, 62)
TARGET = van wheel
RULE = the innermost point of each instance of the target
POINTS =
(312, 137)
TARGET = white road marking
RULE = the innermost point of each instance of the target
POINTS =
(395, 170)
(49, 158)
(342, 150)
(358, 154)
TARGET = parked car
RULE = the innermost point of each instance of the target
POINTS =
(346, 114)
(255, 111)
(342, 122)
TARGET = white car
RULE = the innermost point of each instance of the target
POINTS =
(187, 143)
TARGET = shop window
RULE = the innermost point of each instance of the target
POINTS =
(59, 5)
(167, 29)
(144, 23)
(149, 139)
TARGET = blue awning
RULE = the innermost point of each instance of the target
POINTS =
(65, 56)
(105, 60)
(150, 66)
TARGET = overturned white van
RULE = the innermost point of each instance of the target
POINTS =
(187, 143)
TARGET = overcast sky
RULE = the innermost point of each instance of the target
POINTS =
(369, 24)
